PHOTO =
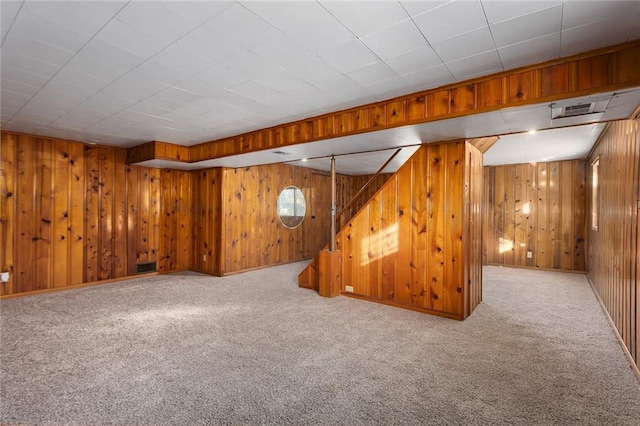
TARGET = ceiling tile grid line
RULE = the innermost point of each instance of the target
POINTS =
(106, 72)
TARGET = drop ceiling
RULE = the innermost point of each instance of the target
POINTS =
(123, 73)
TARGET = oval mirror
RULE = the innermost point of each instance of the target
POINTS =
(291, 207)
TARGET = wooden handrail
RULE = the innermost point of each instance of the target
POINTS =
(355, 197)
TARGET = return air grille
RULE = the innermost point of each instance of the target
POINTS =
(143, 268)
(573, 110)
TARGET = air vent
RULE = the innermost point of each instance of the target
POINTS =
(143, 268)
(572, 110)
(281, 153)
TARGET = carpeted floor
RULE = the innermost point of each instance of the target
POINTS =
(254, 348)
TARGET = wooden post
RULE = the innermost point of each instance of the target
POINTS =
(333, 204)
(329, 273)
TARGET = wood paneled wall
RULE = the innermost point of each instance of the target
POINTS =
(75, 213)
(235, 222)
(537, 208)
(409, 245)
(613, 264)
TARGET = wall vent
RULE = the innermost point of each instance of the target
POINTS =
(572, 110)
(143, 268)
(281, 153)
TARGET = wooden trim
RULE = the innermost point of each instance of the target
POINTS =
(597, 71)
(83, 285)
(625, 349)
(398, 305)
(534, 268)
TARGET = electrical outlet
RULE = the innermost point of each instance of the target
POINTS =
(529, 254)
(204, 257)
(349, 288)
(4, 277)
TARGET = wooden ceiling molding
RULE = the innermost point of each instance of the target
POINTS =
(608, 69)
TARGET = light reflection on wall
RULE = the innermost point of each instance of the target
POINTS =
(504, 245)
(378, 245)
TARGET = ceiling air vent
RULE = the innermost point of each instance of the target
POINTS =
(572, 110)
(281, 153)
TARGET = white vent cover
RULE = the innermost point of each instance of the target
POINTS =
(572, 110)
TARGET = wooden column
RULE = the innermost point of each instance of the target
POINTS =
(329, 273)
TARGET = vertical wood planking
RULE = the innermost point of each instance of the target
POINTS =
(77, 185)
(120, 215)
(44, 200)
(613, 250)
(8, 209)
(552, 230)
(60, 220)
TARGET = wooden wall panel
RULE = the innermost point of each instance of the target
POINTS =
(207, 221)
(406, 246)
(613, 249)
(535, 209)
(74, 213)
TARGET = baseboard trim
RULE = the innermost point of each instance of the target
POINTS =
(632, 362)
(535, 268)
(89, 284)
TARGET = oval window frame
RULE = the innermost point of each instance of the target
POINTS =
(295, 220)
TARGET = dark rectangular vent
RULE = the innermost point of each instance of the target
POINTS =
(281, 153)
(146, 267)
(573, 110)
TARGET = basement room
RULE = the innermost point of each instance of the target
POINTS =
(320, 212)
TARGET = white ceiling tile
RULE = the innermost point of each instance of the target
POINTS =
(502, 10)
(83, 64)
(241, 26)
(363, 17)
(16, 98)
(19, 88)
(395, 40)
(483, 125)
(472, 66)
(73, 78)
(158, 72)
(13, 76)
(130, 38)
(83, 17)
(39, 29)
(198, 11)
(371, 74)
(11, 59)
(577, 13)
(350, 56)
(8, 13)
(35, 49)
(155, 19)
(527, 27)
(253, 90)
(278, 79)
(205, 43)
(335, 84)
(451, 19)
(429, 77)
(308, 22)
(110, 55)
(390, 88)
(598, 34)
(471, 43)
(531, 51)
(416, 7)
(311, 69)
(281, 49)
(133, 88)
(213, 79)
(415, 60)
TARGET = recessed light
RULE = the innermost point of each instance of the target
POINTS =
(532, 132)
(304, 160)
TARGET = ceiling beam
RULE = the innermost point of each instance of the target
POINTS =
(608, 69)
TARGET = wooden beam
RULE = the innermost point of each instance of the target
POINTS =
(611, 68)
